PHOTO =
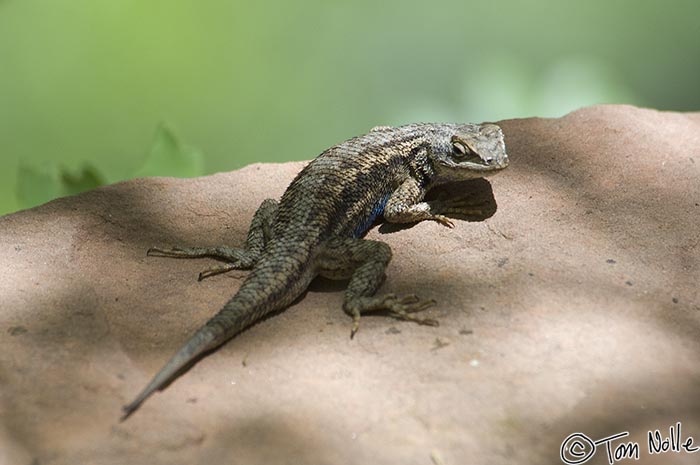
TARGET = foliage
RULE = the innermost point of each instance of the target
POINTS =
(37, 184)
(82, 82)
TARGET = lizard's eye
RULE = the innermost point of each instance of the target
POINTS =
(459, 149)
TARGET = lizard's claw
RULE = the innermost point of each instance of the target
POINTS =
(214, 270)
(159, 252)
(443, 220)
(237, 259)
(355, 326)
(399, 308)
(402, 309)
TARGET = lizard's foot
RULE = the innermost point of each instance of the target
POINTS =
(238, 259)
(443, 220)
(214, 270)
(401, 309)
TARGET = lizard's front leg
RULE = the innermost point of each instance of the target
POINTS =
(238, 258)
(406, 205)
(364, 262)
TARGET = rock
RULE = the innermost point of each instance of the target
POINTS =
(593, 201)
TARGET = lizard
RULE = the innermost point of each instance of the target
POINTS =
(317, 228)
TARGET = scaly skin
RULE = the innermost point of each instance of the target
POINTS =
(317, 227)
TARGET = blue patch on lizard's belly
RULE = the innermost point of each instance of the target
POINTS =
(376, 212)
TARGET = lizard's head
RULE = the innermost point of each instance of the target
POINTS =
(470, 151)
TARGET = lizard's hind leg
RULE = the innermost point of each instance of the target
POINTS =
(364, 262)
(237, 258)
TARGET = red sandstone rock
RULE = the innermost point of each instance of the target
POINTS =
(574, 308)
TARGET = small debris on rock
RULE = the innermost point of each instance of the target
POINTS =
(466, 332)
(675, 300)
(392, 330)
(439, 344)
(16, 330)
(436, 458)
(611, 261)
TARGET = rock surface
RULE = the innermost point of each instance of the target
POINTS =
(574, 308)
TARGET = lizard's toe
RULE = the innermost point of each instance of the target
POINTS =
(443, 220)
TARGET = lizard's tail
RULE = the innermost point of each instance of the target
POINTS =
(203, 340)
(241, 311)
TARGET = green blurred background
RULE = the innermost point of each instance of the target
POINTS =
(95, 91)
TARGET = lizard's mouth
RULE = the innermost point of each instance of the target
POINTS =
(485, 164)
(476, 160)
